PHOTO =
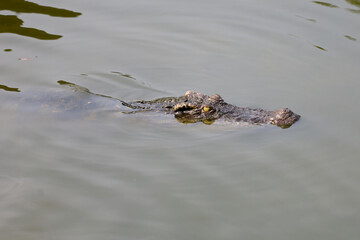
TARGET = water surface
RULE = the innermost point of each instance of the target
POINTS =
(147, 176)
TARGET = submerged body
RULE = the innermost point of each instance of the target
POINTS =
(190, 108)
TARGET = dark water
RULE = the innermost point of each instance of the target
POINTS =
(146, 176)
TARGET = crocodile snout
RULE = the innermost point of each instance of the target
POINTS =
(284, 118)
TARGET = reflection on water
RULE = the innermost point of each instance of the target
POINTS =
(321, 48)
(22, 6)
(356, 3)
(350, 37)
(307, 19)
(13, 24)
(326, 4)
(10, 89)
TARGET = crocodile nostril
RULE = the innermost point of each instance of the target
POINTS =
(216, 98)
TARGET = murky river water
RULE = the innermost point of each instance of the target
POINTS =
(147, 176)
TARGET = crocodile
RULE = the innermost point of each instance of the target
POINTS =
(191, 108)
(198, 107)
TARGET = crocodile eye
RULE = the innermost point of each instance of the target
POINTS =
(206, 108)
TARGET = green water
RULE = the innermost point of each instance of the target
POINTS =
(147, 176)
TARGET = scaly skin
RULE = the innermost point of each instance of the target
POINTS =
(198, 107)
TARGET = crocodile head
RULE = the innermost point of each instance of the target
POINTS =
(284, 118)
(198, 107)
